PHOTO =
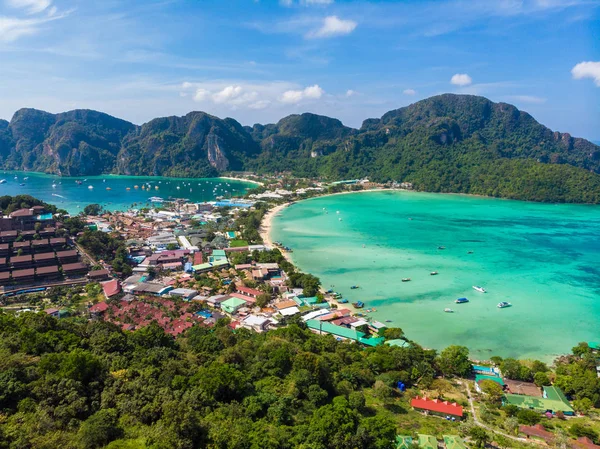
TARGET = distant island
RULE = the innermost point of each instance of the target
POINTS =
(447, 143)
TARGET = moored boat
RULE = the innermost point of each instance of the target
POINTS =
(358, 304)
(434, 273)
(2, 181)
(479, 289)
(406, 279)
(447, 310)
(461, 300)
(504, 304)
(354, 287)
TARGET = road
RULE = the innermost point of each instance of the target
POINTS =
(497, 432)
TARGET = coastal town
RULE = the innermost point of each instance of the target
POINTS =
(209, 264)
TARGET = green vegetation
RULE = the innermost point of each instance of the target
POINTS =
(10, 204)
(108, 247)
(71, 383)
(446, 143)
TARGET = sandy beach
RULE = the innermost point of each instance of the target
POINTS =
(267, 223)
(241, 179)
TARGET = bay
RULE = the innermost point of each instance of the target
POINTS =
(542, 258)
(111, 192)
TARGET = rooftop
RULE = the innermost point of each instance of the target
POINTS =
(435, 405)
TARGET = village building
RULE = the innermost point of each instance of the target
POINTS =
(437, 407)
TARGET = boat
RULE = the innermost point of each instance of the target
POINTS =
(78, 182)
(358, 304)
(434, 273)
(90, 187)
(128, 188)
(461, 300)
(22, 184)
(2, 181)
(108, 188)
(469, 252)
(447, 310)
(343, 301)
(406, 279)
(135, 187)
(388, 321)
(53, 185)
(479, 289)
(354, 287)
(441, 247)
(25, 178)
(504, 305)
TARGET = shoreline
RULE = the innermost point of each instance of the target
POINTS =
(267, 224)
(239, 179)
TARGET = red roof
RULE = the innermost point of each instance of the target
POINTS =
(248, 299)
(198, 259)
(248, 291)
(435, 405)
(99, 308)
(111, 287)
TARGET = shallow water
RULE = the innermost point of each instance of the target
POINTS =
(542, 258)
(69, 195)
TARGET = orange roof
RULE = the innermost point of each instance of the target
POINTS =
(286, 304)
(435, 405)
(99, 308)
(111, 288)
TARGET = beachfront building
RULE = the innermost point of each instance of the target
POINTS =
(437, 407)
(552, 400)
(342, 333)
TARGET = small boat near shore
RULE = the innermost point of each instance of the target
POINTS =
(441, 247)
(433, 273)
(504, 305)
(406, 279)
(354, 287)
(358, 304)
(447, 310)
(461, 301)
(479, 289)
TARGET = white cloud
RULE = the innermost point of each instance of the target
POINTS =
(587, 69)
(332, 26)
(350, 93)
(530, 99)
(317, 2)
(12, 28)
(296, 96)
(461, 79)
(248, 95)
(286, 3)
(31, 6)
(410, 92)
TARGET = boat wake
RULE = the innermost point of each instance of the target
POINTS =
(59, 196)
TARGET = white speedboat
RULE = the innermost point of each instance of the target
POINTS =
(448, 310)
(90, 187)
(2, 181)
(479, 289)
(504, 304)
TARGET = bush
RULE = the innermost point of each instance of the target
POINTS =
(528, 417)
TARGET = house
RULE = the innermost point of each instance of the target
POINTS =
(247, 299)
(67, 256)
(285, 305)
(256, 323)
(41, 244)
(525, 388)
(217, 255)
(437, 407)
(149, 288)
(22, 261)
(98, 275)
(553, 400)
(248, 291)
(232, 305)
(454, 442)
(47, 273)
(22, 276)
(404, 442)
(184, 293)
(209, 266)
(22, 247)
(538, 431)
(111, 288)
(4, 277)
(427, 442)
(53, 312)
(72, 269)
(44, 259)
(98, 309)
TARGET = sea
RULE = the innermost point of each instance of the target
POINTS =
(116, 192)
(542, 258)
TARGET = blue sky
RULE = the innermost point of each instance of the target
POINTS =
(259, 60)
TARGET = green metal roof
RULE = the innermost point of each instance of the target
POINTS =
(329, 328)
(403, 442)
(397, 342)
(555, 394)
(233, 302)
(427, 442)
(496, 379)
(207, 265)
(218, 252)
(594, 345)
(372, 341)
(454, 442)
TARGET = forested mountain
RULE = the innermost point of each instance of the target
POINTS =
(446, 143)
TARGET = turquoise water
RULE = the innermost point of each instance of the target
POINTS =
(69, 195)
(542, 258)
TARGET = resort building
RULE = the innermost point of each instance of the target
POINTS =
(404, 442)
(342, 333)
(454, 442)
(437, 407)
(232, 305)
(427, 442)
